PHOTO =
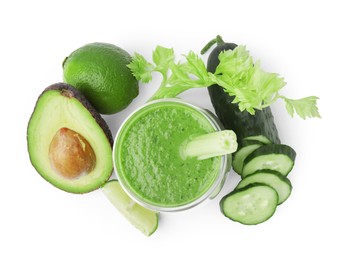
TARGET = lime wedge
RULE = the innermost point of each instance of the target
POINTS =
(143, 219)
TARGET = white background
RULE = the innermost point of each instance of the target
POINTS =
(300, 40)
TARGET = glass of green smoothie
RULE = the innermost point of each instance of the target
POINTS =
(151, 155)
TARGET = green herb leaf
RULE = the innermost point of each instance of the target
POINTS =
(177, 77)
(235, 63)
(304, 107)
(163, 57)
(237, 73)
(252, 87)
(196, 67)
(141, 68)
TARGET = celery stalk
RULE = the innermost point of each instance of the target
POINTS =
(210, 145)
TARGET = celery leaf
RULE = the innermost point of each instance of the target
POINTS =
(237, 73)
(304, 107)
(163, 57)
(141, 68)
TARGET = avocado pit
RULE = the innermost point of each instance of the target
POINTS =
(70, 154)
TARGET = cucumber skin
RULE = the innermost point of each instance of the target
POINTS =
(242, 123)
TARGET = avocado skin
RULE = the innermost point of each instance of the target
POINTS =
(72, 92)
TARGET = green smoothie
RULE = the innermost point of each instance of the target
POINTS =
(148, 160)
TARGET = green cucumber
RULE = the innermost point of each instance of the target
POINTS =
(278, 157)
(242, 123)
(271, 178)
(261, 138)
(143, 219)
(248, 146)
(247, 142)
(250, 205)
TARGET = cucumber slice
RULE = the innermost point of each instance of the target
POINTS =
(143, 219)
(246, 142)
(250, 205)
(278, 157)
(261, 138)
(239, 157)
(271, 178)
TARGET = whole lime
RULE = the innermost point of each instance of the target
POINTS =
(99, 71)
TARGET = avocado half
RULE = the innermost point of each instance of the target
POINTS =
(69, 143)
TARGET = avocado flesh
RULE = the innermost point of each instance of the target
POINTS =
(62, 106)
